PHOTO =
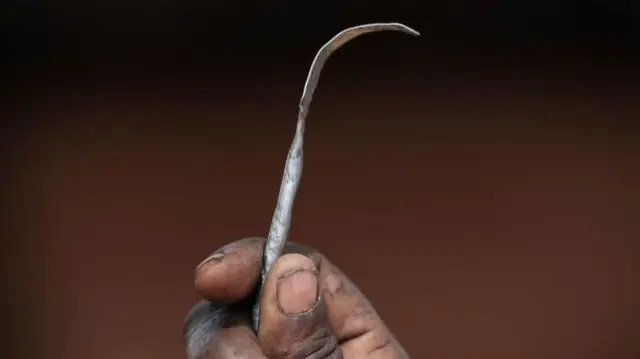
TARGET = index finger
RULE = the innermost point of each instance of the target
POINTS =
(232, 272)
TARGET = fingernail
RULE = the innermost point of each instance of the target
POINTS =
(215, 257)
(298, 292)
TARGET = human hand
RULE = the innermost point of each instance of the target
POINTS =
(308, 309)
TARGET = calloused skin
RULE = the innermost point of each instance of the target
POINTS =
(309, 309)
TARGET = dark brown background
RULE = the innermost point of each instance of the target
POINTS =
(479, 183)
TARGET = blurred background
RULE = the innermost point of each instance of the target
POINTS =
(480, 183)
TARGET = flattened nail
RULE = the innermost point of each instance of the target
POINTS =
(214, 257)
(298, 292)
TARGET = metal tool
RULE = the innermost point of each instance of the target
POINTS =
(281, 222)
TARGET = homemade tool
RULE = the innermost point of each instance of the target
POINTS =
(281, 222)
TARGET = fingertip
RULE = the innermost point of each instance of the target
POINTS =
(296, 285)
(231, 273)
(289, 263)
(292, 311)
(291, 290)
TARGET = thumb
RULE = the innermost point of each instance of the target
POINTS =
(293, 318)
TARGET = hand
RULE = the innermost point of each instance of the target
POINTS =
(309, 309)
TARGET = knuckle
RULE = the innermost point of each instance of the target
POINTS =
(379, 342)
(321, 344)
(201, 326)
(327, 350)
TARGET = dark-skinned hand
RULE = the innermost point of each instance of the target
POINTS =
(309, 309)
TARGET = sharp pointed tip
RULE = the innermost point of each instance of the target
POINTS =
(406, 29)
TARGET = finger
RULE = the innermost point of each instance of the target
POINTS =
(356, 324)
(358, 327)
(293, 316)
(220, 332)
(232, 272)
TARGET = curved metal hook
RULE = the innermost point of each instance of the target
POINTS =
(281, 222)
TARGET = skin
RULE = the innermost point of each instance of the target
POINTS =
(308, 309)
